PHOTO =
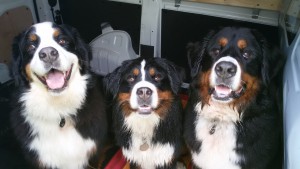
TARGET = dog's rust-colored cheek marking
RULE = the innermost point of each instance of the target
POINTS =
(92, 151)
(223, 41)
(165, 102)
(242, 43)
(251, 91)
(28, 72)
(123, 96)
(40, 164)
(204, 86)
(123, 100)
(151, 71)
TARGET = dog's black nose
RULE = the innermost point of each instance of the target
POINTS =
(48, 54)
(144, 92)
(225, 69)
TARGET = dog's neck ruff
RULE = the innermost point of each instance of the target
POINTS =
(217, 112)
(49, 118)
(42, 108)
(215, 128)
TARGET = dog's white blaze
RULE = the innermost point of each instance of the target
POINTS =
(61, 148)
(143, 73)
(142, 130)
(45, 32)
(143, 83)
(237, 78)
(217, 149)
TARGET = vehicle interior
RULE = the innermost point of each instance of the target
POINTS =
(156, 28)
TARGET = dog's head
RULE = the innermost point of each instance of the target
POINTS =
(144, 86)
(49, 56)
(230, 65)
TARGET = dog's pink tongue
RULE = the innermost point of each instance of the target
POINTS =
(222, 90)
(55, 80)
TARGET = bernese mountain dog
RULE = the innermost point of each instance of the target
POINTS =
(59, 117)
(232, 120)
(147, 111)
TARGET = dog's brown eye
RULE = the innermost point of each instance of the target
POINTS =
(216, 52)
(62, 42)
(31, 47)
(130, 78)
(157, 77)
(246, 55)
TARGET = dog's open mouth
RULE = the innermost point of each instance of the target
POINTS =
(144, 110)
(56, 80)
(223, 92)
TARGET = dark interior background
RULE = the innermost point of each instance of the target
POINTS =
(178, 28)
(88, 15)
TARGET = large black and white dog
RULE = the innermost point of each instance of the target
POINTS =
(147, 111)
(60, 116)
(232, 122)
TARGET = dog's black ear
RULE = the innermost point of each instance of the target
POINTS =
(82, 49)
(266, 56)
(273, 60)
(277, 61)
(176, 74)
(193, 50)
(16, 71)
(112, 80)
(195, 53)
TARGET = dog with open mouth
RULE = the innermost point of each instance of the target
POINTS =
(231, 119)
(147, 111)
(60, 115)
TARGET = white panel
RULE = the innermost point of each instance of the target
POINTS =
(291, 94)
(151, 25)
(229, 12)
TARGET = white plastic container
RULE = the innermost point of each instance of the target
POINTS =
(110, 49)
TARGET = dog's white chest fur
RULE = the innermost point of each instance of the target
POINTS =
(142, 129)
(215, 128)
(62, 148)
(57, 147)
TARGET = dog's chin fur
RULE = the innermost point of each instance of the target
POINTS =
(234, 125)
(61, 127)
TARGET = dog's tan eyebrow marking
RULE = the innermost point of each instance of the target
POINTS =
(136, 71)
(56, 33)
(32, 37)
(223, 41)
(242, 43)
(152, 71)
